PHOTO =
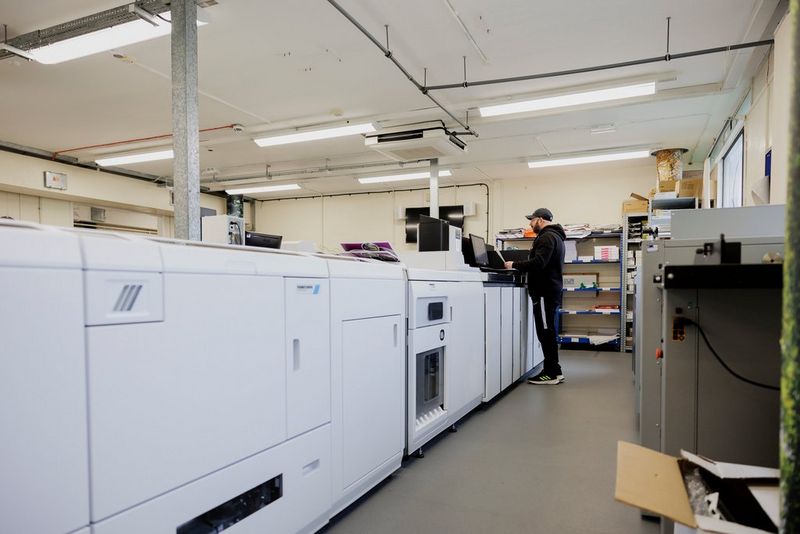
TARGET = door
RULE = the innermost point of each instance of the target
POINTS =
(465, 354)
(174, 401)
(44, 450)
(308, 356)
(373, 352)
(506, 337)
(493, 343)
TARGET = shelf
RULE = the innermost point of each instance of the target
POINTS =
(596, 235)
(515, 238)
(635, 240)
(589, 312)
(576, 262)
(585, 340)
(592, 289)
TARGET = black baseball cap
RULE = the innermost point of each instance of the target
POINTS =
(544, 213)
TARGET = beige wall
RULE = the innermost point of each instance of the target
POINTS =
(577, 194)
(24, 197)
(757, 132)
(779, 112)
(329, 221)
(586, 194)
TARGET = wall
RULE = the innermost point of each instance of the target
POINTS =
(779, 114)
(23, 195)
(586, 194)
(576, 194)
(757, 131)
(329, 221)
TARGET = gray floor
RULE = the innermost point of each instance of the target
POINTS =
(542, 459)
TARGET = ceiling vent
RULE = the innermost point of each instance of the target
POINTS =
(414, 142)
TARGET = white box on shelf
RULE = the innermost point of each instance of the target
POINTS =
(606, 252)
(580, 280)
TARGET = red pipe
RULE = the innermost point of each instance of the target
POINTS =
(140, 139)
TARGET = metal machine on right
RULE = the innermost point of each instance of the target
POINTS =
(707, 332)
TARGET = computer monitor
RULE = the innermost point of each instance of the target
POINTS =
(253, 239)
(479, 249)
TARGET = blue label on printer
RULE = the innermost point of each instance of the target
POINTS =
(309, 288)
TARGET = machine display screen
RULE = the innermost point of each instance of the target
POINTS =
(479, 248)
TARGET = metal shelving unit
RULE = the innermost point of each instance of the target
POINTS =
(632, 240)
(579, 307)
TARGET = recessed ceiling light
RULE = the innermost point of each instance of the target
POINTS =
(401, 177)
(596, 158)
(571, 99)
(262, 189)
(313, 135)
(135, 158)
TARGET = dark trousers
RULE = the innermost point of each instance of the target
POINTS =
(545, 321)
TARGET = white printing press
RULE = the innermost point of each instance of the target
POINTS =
(188, 387)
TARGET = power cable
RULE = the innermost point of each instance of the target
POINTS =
(725, 365)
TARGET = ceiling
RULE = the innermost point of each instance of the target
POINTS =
(281, 64)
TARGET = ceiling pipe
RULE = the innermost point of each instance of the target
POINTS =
(656, 59)
(388, 53)
(234, 127)
(310, 171)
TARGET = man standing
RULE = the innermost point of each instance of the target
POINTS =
(544, 267)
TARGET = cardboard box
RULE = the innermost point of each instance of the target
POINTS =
(580, 280)
(691, 187)
(667, 185)
(656, 482)
(607, 253)
(635, 204)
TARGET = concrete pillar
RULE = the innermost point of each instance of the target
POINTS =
(185, 129)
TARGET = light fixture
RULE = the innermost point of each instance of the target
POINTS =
(400, 177)
(128, 33)
(313, 135)
(597, 158)
(262, 189)
(135, 158)
(572, 99)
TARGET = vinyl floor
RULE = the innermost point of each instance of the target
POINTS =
(540, 459)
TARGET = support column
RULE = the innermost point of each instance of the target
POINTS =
(434, 187)
(185, 129)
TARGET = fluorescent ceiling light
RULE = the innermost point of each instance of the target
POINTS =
(400, 177)
(589, 159)
(135, 158)
(262, 189)
(313, 135)
(573, 99)
(136, 31)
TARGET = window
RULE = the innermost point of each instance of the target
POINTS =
(733, 174)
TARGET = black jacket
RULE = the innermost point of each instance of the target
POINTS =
(545, 263)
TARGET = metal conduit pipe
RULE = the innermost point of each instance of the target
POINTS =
(315, 170)
(645, 61)
(388, 53)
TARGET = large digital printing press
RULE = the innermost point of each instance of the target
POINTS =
(161, 386)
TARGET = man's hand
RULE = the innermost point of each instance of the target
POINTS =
(509, 265)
